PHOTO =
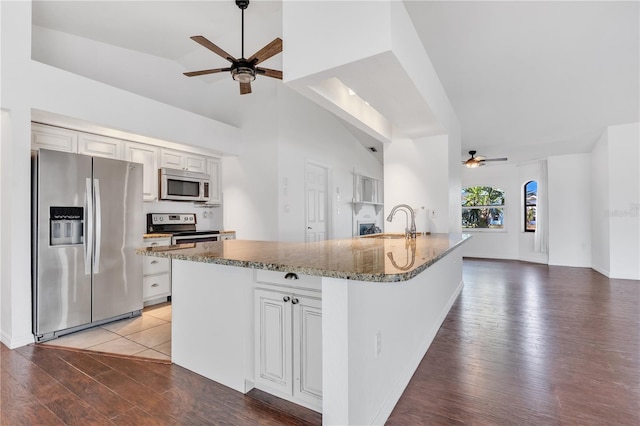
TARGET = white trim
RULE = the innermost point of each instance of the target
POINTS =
(603, 271)
(17, 342)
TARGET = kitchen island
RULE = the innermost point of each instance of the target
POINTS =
(362, 313)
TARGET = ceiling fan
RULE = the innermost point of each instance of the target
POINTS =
(242, 70)
(474, 161)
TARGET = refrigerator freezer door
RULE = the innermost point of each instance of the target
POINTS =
(62, 291)
(117, 279)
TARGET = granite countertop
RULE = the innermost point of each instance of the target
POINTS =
(362, 259)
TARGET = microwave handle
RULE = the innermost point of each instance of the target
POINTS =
(205, 190)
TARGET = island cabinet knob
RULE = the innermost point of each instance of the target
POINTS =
(291, 276)
(295, 301)
(286, 299)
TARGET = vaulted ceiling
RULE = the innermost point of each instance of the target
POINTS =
(527, 79)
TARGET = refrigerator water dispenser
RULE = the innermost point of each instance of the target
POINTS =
(66, 225)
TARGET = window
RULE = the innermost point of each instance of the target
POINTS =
(530, 205)
(482, 208)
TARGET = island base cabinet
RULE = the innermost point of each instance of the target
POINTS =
(289, 346)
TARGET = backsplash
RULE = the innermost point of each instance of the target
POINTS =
(208, 217)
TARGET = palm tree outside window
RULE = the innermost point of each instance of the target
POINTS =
(530, 205)
(482, 208)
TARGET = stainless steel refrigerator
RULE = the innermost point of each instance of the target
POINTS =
(87, 221)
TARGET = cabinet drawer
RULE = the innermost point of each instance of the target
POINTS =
(152, 242)
(156, 286)
(297, 280)
(155, 265)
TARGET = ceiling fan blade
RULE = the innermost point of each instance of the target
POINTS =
(212, 47)
(203, 72)
(245, 88)
(269, 72)
(496, 159)
(266, 52)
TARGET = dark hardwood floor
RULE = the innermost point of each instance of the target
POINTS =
(523, 344)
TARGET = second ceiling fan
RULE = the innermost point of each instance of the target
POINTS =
(479, 161)
(242, 70)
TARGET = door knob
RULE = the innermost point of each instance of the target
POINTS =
(286, 299)
(295, 301)
(308, 227)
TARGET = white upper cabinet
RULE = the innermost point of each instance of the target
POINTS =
(100, 146)
(55, 138)
(215, 193)
(148, 156)
(152, 157)
(183, 161)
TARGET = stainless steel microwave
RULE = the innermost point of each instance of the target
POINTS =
(182, 185)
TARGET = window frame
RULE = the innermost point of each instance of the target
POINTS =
(526, 204)
(502, 207)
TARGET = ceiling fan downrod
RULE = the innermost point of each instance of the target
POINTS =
(242, 4)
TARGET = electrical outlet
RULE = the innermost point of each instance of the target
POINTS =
(434, 213)
(378, 343)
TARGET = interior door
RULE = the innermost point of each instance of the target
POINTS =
(316, 184)
(119, 227)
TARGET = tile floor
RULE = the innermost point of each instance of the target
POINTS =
(146, 336)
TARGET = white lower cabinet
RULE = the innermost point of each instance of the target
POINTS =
(156, 274)
(288, 332)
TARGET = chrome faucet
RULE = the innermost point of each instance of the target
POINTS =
(409, 231)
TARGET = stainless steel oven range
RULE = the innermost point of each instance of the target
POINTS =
(181, 226)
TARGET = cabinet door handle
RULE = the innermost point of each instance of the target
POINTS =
(155, 285)
(294, 301)
(285, 299)
(153, 244)
(153, 262)
(291, 276)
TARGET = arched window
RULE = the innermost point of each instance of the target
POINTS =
(530, 205)
(482, 208)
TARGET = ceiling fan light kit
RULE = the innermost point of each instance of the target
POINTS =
(242, 70)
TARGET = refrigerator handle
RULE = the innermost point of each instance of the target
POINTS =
(88, 231)
(96, 259)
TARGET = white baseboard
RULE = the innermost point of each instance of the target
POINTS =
(15, 342)
(405, 376)
(533, 260)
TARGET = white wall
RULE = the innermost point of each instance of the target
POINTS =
(16, 92)
(570, 210)
(250, 194)
(417, 173)
(624, 201)
(308, 133)
(311, 26)
(502, 244)
(600, 260)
